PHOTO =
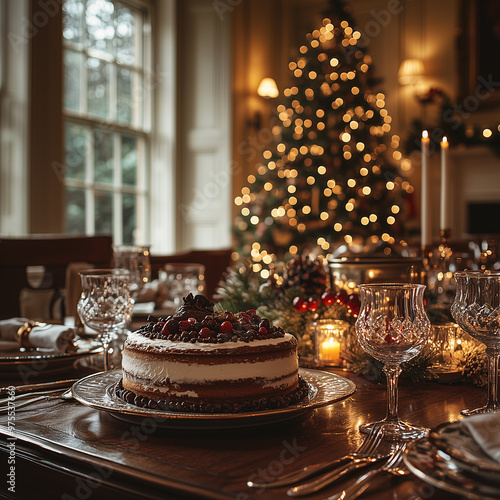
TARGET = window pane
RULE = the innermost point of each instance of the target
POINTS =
(129, 217)
(75, 210)
(99, 18)
(129, 160)
(103, 212)
(76, 151)
(124, 102)
(72, 65)
(125, 35)
(72, 20)
(103, 157)
(98, 87)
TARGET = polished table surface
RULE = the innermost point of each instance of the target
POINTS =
(66, 450)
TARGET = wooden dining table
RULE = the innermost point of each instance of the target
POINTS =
(64, 449)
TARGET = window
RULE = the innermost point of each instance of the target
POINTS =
(106, 48)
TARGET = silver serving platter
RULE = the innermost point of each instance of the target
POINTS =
(98, 391)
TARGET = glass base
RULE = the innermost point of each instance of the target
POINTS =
(398, 430)
(479, 411)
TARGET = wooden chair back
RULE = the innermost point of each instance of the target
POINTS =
(53, 251)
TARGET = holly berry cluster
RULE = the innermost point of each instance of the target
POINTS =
(328, 298)
(215, 327)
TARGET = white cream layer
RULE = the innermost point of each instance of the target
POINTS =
(158, 345)
(158, 372)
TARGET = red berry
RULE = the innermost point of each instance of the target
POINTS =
(389, 338)
(165, 331)
(226, 327)
(185, 325)
(341, 297)
(205, 332)
(353, 304)
(192, 320)
(262, 331)
(313, 304)
(328, 298)
(251, 311)
(299, 304)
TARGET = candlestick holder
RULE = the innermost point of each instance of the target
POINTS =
(329, 341)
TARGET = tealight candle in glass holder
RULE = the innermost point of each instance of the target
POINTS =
(329, 340)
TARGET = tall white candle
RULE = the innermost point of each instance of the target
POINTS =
(426, 209)
(445, 186)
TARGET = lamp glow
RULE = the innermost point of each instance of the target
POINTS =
(268, 88)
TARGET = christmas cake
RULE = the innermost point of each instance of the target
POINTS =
(201, 360)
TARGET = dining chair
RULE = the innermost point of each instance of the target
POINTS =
(53, 253)
(216, 263)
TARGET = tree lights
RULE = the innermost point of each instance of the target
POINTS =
(330, 176)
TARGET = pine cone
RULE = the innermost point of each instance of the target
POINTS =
(476, 368)
(306, 274)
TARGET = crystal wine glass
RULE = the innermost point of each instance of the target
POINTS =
(105, 304)
(393, 327)
(477, 311)
(134, 259)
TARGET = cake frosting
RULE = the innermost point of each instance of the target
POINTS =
(206, 361)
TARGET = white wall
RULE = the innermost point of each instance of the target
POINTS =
(14, 110)
(204, 162)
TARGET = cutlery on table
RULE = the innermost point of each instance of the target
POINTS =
(393, 466)
(14, 406)
(367, 448)
(58, 384)
(330, 477)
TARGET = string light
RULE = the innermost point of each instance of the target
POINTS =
(329, 200)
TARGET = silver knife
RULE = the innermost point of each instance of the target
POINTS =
(36, 387)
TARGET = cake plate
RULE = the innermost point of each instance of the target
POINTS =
(98, 391)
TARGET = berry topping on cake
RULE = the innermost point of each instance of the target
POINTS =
(196, 321)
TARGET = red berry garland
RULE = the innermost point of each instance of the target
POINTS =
(341, 297)
(328, 298)
(353, 305)
(299, 304)
(313, 304)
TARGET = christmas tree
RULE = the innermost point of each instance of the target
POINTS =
(332, 174)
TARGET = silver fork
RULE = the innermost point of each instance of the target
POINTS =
(361, 484)
(66, 395)
(368, 457)
(370, 443)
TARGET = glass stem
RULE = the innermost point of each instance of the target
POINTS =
(392, 373)
(493, 355)
(106, 341)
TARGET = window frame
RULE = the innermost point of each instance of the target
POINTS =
(141, 132)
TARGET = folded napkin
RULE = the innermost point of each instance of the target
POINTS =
(60, 338)
(485, 430)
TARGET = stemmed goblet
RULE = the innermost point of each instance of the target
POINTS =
(134, 259)
(476, 309)
(105, 304)
(393, 327)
